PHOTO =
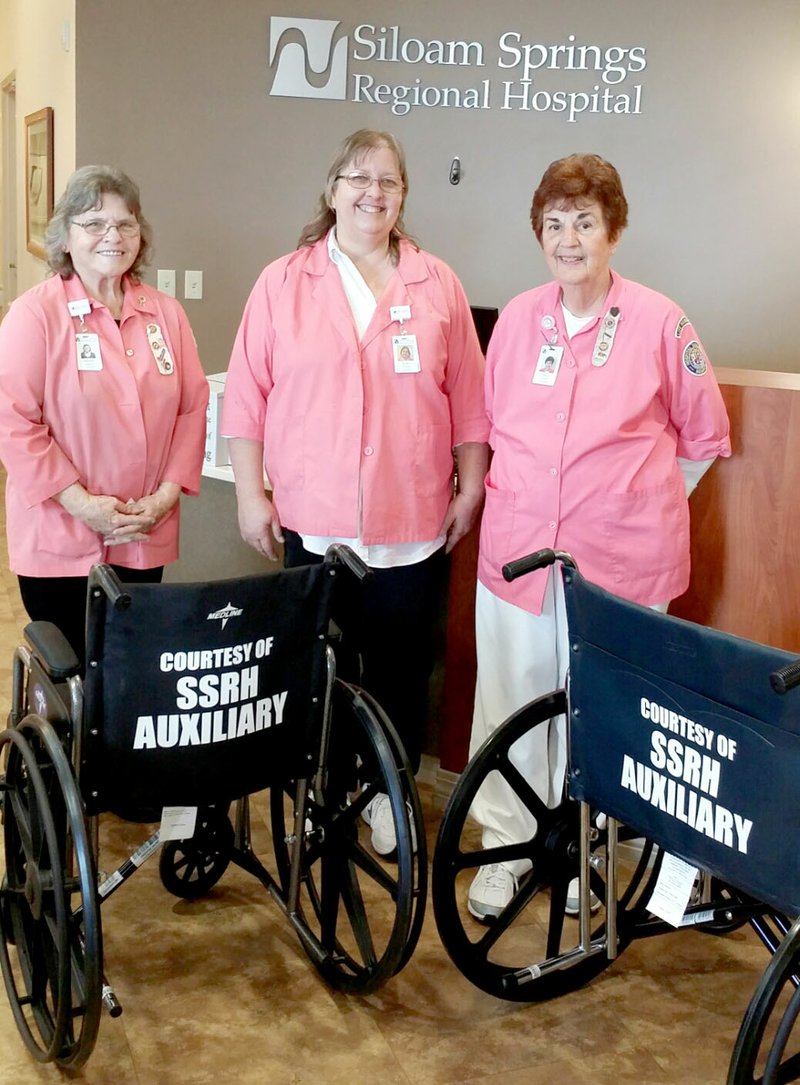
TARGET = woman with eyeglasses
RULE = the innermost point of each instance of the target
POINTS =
(356, 380)
(102, 407)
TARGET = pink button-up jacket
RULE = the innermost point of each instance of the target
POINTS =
(335, 417)
(121, 430)
(588, 465)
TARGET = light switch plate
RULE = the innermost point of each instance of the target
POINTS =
(193, 285)
(165, 281)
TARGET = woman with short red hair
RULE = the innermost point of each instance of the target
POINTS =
(604, 415)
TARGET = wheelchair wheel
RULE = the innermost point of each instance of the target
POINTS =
(358, 914)
(524, 955)
(419, 851)
(51, 946)
(767, 1049)
(190, 868)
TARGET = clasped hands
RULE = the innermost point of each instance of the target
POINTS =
(119, 522)
(125, 522)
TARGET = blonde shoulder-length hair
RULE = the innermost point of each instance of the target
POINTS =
(349, 156)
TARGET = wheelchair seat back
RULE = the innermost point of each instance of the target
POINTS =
(675, 731)
(202, 693)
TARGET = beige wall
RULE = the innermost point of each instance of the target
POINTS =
(229, 173)
(33, 34)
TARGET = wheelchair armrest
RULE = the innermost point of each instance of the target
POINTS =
(52, 648)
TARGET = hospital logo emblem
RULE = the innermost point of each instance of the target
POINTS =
(309, 65)
(228, 611)
(693, 359)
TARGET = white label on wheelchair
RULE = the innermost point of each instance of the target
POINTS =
(146, 850)
(673, 889)
(177, 822)
(111, 882)
(698, 917)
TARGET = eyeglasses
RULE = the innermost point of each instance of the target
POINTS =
(99, 227)
(357, 179)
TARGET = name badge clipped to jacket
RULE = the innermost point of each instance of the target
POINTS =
(547, 365)
(404, 351)
(160, 350)
(87, 350)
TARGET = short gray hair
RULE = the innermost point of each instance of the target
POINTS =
(84, 191)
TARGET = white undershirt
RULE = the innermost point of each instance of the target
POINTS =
(383, 555)
(573, 323)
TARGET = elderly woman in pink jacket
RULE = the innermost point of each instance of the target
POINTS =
(356, 379)
(605, 413)
(102, 407)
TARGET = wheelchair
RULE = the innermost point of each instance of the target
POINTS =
(681, 743)
(195, 697)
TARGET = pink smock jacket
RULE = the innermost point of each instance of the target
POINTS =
(335, 417)
(120, 430)
(588, 464)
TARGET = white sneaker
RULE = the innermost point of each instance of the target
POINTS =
(573, 905)
(492, 889)
(378, 815)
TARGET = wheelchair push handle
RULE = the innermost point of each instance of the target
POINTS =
(538, 560)
(103, 576)
(340, 552)
(786, 678)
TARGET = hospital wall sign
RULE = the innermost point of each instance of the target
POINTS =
(385, 65)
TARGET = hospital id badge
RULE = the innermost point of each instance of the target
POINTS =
(547, 365)
(87, 350)
(404, 350)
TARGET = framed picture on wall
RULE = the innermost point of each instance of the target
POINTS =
(38, 178)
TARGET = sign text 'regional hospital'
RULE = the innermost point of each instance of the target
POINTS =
(315, 58)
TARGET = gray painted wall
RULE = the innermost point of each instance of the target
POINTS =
(177, 94)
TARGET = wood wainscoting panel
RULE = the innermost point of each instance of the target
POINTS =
(745, 545)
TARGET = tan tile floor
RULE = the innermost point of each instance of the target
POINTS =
(219, 991)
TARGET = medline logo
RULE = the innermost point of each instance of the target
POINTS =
(228, 611)
(314, 57)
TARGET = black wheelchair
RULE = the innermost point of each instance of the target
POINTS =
(682, 744)
(195, 697)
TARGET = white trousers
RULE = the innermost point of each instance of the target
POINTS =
(521, 656)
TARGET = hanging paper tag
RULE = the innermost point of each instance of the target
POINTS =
(177, 822)
(673, 888)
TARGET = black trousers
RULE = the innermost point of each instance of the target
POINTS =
(62, 600)
(388, 636)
